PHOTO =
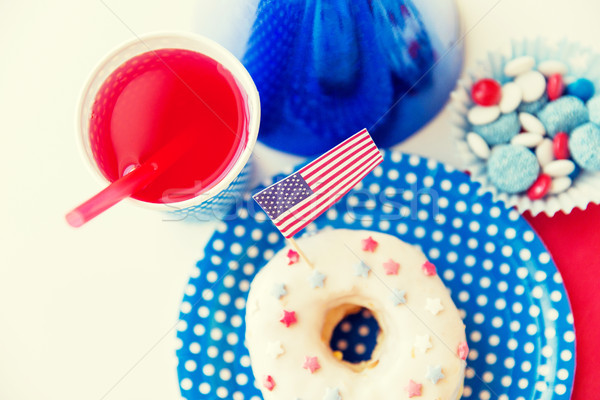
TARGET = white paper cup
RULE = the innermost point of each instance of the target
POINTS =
(218, 199)
(582, 63)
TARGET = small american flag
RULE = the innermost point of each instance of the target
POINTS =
(299, 199)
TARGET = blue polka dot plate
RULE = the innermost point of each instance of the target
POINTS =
(517, 315)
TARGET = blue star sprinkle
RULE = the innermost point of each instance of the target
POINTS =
(398, 296)
(278, 290)
(434, 373)
(332, 394)
(316, 279)
(361, 269)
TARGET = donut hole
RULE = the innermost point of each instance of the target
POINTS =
(352, 332)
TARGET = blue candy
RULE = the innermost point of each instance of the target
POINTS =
(593, 106)
(563, 115)
(575, 172)
(534, 106)
(501, 130)
(584, 145)
(512, 168)
(582, 88)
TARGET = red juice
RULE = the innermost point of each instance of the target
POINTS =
(155, 97)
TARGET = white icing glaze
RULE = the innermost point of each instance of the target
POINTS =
(395, 360)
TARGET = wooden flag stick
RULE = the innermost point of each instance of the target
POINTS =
(300, 252)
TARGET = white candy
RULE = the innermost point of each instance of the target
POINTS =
(511, 97)
(531, 123)
(479, 115)
(559, 168)
(519, 65)
(527, 139)
(544, 152)
(478, 145)
(532, 84)
(551, 67)
(559, 185)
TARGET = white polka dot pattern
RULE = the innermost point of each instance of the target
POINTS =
(501, 277)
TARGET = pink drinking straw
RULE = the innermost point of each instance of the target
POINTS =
(132, 182)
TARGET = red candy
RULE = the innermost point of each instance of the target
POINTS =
(555, 86)
(560, 146)
(486, 92)
(540, 187)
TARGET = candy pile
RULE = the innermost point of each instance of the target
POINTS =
(537, 130)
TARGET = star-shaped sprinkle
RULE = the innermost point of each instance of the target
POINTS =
(434, 306)
(275, 349)
(332, 394)
(369, 244)
(434, 373)
(398, 296)
(293, 257)
(269, 383)
(316, 279)
(278, 290)
(413, 388)
(422, 343)
(289, 318)
(311, 364)
(463, 350)
(428, 268)
(391, 267)
(361, 269)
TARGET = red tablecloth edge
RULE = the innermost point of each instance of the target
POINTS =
(573, 240)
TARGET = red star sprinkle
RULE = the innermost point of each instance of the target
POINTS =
(369, 244)
(289, 318)
(391, 267)
(413, 388)
(311, 364)
(293, 257)
(463, 350)
(269, 383)
(428, 268)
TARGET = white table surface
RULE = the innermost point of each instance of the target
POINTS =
(90, 313)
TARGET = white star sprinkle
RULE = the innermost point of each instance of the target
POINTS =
(422, 343)
(434, 306)
(275, 349)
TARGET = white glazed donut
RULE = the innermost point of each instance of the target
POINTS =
(421, 346)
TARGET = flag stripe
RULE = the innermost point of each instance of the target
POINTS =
(327, 202)
(291, 231)
(319, 178)
(316, 198)
(331, 183)
(310, 203)
(309, 169)
(319, 184)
